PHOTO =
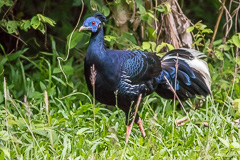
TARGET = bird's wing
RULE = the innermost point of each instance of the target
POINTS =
(141, 66)
(138, 71)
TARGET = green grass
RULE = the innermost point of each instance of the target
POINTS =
(60, 124)
(28, 131)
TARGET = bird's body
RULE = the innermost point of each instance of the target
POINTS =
(126, 74)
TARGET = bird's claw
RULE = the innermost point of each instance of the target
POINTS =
(129, 129)
(140, 124)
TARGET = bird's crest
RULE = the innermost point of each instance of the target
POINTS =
(100, 16)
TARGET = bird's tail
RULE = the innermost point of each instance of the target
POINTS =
(192, 74)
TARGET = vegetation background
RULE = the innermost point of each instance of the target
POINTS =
(46, 111)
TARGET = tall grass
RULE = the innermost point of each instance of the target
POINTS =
(62, 126)
(43, 117)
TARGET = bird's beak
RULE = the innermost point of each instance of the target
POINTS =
(84, 28)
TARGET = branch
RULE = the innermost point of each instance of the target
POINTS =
(217, 24)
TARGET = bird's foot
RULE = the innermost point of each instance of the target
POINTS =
(140, 124)
(129, 128)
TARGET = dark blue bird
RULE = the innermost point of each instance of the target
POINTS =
(127, 74)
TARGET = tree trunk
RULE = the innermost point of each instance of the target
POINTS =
(174, 26)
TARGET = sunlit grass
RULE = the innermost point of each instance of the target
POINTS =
(29, 131)
(60, 123)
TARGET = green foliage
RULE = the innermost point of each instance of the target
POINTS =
(37, 22)
(164, 8)
(199, 36)
(60, 124)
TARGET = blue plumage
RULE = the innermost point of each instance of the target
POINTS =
(130, 73)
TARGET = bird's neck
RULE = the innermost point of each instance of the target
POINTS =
(96, 45)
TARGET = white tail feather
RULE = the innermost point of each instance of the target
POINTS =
(197, 64)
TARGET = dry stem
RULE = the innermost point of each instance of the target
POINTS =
(69, 43)
(217, 24)
(93, 81)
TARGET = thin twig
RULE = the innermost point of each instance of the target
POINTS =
(69, 44)
(182, 14)
(93, 81)
(9, 9)
(155, 21)
(45, 27)
(228, 20)
(160, 30)
(13, 35)
(217, 24)
(171, 88)
(134, 11)
(174, 101)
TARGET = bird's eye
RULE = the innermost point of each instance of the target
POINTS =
(93, 22)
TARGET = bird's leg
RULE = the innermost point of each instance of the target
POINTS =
(140, 124)
(129, 128)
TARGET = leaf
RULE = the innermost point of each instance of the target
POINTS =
(190, 29)
(236, 104)
(138, 2)
(110, 38)
(152, 33)
(159, 47)
(4, 135)
(66, 68)
(2, 48)
(35, 95)
(207, 30)
(129, 37)
(236, 40)
(146, 45)
(25, 25)
(46, 20)
(170, 47)
(5, 151)
(35, 22)
(1, 96)
(41, 28)
(163, 44)
(219, 55)
(117, 1)
(105, 11)
(168, 7)
(42, 86)
(3, 61)
(238, 61)
(94, 5)
(81, 131)
(153, 44)
(12, 26)
(16, 55)
(225, 142)
(164, 8)
(76, 38)
(40, 131)
(200, 26)
(59, 80)
(235, 145)
(142, 10)
(224, 46)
